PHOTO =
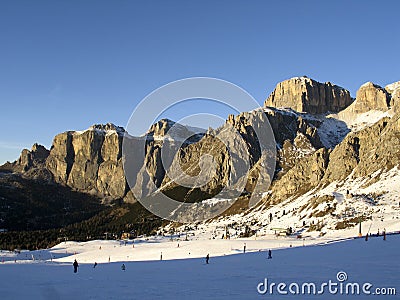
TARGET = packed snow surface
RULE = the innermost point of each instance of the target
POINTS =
(375, 261)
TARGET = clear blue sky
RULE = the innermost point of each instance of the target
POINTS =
(65, 65)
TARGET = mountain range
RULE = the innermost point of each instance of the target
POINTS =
(335, 159)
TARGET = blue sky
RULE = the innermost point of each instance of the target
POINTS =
(65, 65)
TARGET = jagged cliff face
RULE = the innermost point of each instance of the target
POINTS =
(371, 96)
(29, 159)
(89, 161)
(60, 162)
(303, 94)
(312, 151)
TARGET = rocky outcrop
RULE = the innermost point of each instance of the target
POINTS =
(305, 175)
(89, 161)
(295, 136)
(286, 125)
(394, 91)
(370, 97)
(28, 159)
(31, 158)
(303, 94)
(31, 164)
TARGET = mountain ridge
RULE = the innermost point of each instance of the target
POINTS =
(314, 149)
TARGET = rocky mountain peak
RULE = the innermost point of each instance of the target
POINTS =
(28, 159)
(105, 128)
(394, 90)
(391, 88)
(370, 96)
(39, 151)
(304, 94)
(160, 128)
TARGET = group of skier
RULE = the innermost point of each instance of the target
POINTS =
(268, 257)
(378, 234)
(123, 267)
(76, 265)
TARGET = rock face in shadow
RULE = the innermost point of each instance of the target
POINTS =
(60, 162)
(303, 94)
(29, 159)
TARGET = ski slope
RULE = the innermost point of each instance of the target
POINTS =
(226, 277)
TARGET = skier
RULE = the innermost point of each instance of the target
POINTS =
(244, 248)
(207, 258)
(123, 267)
(384, 234)
(269, 254)
(76, 265)
(95, 264)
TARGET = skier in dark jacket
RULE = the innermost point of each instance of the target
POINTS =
(207, 258)
(269, 254)
(76, 265)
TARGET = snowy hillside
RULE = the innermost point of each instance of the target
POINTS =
(334, 211)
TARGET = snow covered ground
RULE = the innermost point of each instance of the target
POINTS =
(374, 200)
(226, 277)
